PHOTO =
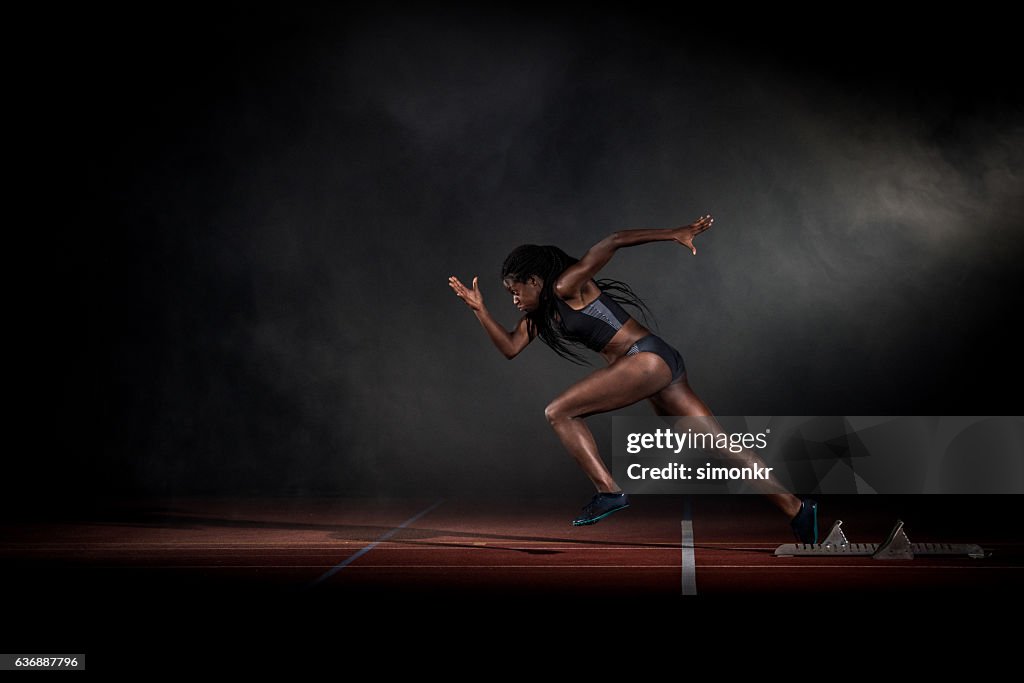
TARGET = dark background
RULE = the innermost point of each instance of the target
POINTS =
(250, 216)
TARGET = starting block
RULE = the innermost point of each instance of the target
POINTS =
(895, 547)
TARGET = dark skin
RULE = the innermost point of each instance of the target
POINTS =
(626, 379)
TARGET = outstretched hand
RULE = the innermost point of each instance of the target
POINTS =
(473, 298)
(685, 234)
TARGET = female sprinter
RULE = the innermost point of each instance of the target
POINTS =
(563, 303)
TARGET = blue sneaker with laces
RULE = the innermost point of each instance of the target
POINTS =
(600, 506)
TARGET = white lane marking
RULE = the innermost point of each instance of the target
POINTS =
(689, 561)
(352, 558)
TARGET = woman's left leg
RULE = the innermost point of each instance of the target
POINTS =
(624, 382)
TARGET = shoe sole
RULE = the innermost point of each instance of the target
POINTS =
(595, 520)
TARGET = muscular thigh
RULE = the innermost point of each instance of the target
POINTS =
(678, 399)
(628, 380)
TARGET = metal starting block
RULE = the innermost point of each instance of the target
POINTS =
(895, 547)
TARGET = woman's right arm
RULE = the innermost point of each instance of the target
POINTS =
(509, 343)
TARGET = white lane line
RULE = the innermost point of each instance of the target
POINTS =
(352, 558)
(689, 561)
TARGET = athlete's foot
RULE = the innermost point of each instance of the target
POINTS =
(600, 506)
(805, 523)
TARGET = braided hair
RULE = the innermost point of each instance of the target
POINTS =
(548, 262)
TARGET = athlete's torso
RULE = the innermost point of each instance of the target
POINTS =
(596, 323)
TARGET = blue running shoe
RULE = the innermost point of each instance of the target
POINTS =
(805, 523)
(600, 506)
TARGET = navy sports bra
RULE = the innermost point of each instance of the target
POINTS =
(595, 324)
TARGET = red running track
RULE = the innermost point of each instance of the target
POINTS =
(150, 563)
(510, 547)
(125, 580)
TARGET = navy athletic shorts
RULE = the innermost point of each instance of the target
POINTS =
(656, 344)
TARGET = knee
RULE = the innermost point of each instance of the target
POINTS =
(555, 412)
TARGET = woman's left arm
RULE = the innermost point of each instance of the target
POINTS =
(597, 257)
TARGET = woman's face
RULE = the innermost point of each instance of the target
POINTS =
(525, 295)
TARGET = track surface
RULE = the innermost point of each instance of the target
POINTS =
(222, 565)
